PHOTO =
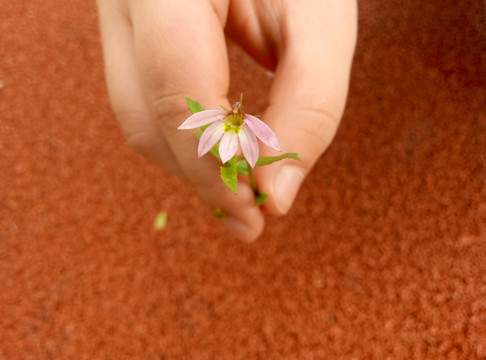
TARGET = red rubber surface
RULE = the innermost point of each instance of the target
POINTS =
(382, 257)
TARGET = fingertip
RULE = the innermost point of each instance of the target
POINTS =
(247, 233)
(282, 185)
(243, 218)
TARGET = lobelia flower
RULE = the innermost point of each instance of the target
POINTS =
(231, 128)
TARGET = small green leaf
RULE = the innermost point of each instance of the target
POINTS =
(229, 174)
(267, 160)
(260, 198)
(219, 213)
(194, 106)
(242, 167)
(160, 220)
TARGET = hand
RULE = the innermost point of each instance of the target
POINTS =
(157, 52)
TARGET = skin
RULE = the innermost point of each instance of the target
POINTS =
(157, 52)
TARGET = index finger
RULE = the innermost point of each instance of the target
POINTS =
(181, 51)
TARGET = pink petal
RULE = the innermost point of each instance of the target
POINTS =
(210, 137)
(249, 145)
(262, 131)
(202, 118)
(228, 146)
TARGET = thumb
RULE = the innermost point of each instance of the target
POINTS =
(307, 98)
(308, 137)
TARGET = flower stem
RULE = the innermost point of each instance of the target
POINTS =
(260, 197)
(251, 176)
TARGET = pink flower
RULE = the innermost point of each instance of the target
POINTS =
(231, 128)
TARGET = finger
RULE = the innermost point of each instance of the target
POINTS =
(308, 96)
(125, 89)
(181, 51)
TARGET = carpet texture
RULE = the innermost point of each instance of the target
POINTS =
(382, 257)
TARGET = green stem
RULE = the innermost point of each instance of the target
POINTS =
(251, 176)
(260, 197)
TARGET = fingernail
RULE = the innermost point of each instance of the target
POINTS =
(286, 185)
(242, 231)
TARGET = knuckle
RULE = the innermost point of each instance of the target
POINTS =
(168, 109)
(325, 121)
(322, 114)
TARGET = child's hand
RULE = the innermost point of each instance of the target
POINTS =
(157, 52)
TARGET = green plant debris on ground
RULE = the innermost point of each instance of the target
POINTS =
(160, 220)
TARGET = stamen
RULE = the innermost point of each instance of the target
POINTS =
(236, 107)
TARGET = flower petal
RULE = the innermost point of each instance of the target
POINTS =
(262, 131)
(202, 118)
(210, 137)
(249, 145)
(228, 146)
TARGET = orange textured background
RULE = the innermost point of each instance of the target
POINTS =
(382, 257)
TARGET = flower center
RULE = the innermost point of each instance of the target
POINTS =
(234, 120)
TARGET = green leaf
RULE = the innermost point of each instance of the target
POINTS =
(260, 198)
(219, 213)
(194, 106)
(242, 167)
(267, 160)
(229, 174)
(160, 220)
